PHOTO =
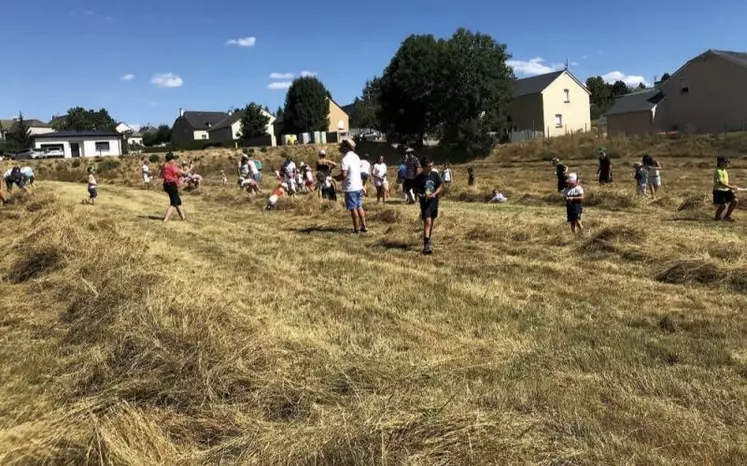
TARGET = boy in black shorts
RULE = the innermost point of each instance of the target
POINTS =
(723, 192)
(428, 187)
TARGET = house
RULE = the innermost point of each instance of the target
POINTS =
(81, 143)
(230, 128)
(194, 126)
(635, 113)
(551, 104)
(35, 127)
(133, 138)
(338, 120)
(706, 95)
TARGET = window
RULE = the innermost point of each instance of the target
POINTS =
(566, 95)
(558, 120)
(684, 87)
(204, 136)
(102, 146)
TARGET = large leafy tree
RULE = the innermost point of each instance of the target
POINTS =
(306, 106)
(664, 77)
(603, 94)
(154, 136)
(368, 106)
(19, 136)
(80, 119)
(409, 90)
(254, 122)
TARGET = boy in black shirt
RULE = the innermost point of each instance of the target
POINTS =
(560, 172)
(428, 187)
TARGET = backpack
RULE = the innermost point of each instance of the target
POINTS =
(258, 164)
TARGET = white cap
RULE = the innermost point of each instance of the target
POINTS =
(284, 185)
(322, 152)
(572, 177)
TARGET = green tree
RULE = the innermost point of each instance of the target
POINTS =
(155, 136)
(254, 122)
(368, 107)
(619, 88)
(19, 136)
(279, 112)
(664, 77)
(80, 119)
(306, 106)
(474, 92)
(641, 86)
(409, 90)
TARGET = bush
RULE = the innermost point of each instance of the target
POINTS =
(154, 158)
(76, 163)
(108, 165)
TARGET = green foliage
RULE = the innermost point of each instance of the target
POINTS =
(154, 137)
(75, 163)
(154, 158)
(279, 112)
(19, 137)
(368, 107)
(80, 119)
(457, 89)
(664, 77)
(254, 122)
(603, 95)
(306, 106)
(108, 165)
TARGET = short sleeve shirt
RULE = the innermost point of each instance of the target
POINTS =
(412, 163)
(720, 179)
(351, 163)
(426, 184)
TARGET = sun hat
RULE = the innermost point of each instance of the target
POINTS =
(322, 152)
(572, 177)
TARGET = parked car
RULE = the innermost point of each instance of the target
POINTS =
(54, 153)
(29, 154)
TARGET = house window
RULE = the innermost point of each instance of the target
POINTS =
(558, 120)
(204, 136)
(102, 146)
(566, 95)
(684, 87)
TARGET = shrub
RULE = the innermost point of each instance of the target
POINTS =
(76, 163)
(154, 158)
(108, 165)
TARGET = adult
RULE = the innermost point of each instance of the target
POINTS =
(172, 174)
(28, 175)
(352, 185)
(324, 180)
(560, 172)
(13, 176)
(653, 167)
(605, 167)
(380, 181)
(412, 165)
(428, 186)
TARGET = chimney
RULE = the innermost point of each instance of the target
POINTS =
(181, 112)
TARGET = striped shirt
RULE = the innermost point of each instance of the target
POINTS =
(412, 165)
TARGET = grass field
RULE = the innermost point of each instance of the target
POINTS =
(248, 337)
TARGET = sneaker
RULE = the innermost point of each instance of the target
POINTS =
(364, 230)
(427, 249)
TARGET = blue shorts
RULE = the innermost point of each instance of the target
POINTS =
(93, 193)
(257, 177)
(354, 200)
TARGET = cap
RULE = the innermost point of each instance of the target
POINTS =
(322, 152)
(171, 156)
(602, 149)
(349, 142)
(409, 150)
(572, 177)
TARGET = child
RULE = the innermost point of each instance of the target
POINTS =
(93, 192)
(574, 199)
(223, 177)
(309, 179)
(446, 174)
(279, 192)
(145, 173)
(641, 178)
(250, 185)
(723, 192)
(497, 197)
(428, 186)
(470, 176)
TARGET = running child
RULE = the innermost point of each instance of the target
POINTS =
(145, 174)
(93, 191)
(428, 185)
(574, 202)
(723, 192)
(277, 193)
(641, 178)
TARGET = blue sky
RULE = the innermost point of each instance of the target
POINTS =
(144, 60)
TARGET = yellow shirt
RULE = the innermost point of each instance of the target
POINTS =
(720, 180)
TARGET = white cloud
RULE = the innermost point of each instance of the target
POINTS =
(307, 74)
(243, 41)
(128, 77)
(166, 80)
(630, 80)
(279, 85)
(281, 75)
(533, 67)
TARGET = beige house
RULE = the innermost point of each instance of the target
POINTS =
(635, 113)
(707, 94)
(549, 105)
(36, 127)
(338, 120)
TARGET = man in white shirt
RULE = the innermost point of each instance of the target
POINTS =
(352, 184)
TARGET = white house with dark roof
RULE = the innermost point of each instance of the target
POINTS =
(81, 143)
(195, 126)
(230, 128)
(707, 94)
(549, 105)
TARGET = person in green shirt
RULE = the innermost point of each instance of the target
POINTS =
(723, 192)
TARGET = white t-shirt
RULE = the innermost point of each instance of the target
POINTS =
(145, 169)
(500, 198)
(447, 174)
(365, 167)
(574, 191)
(352, 164)
(290, 169)
(379, 170)
(253, 167)
(7, 174)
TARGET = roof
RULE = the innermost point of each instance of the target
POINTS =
(737, 57)
(33, 123)
(231, 119)
(203, 120)
(537, 84)
(78, 134)
(349, 109)
(636, 102)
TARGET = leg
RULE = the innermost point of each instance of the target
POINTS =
(181, 213)
(719, 211)
(732, 206)
(354, 215)
(167, 215)
(362, 217)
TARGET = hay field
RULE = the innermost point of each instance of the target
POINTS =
(247, 337)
